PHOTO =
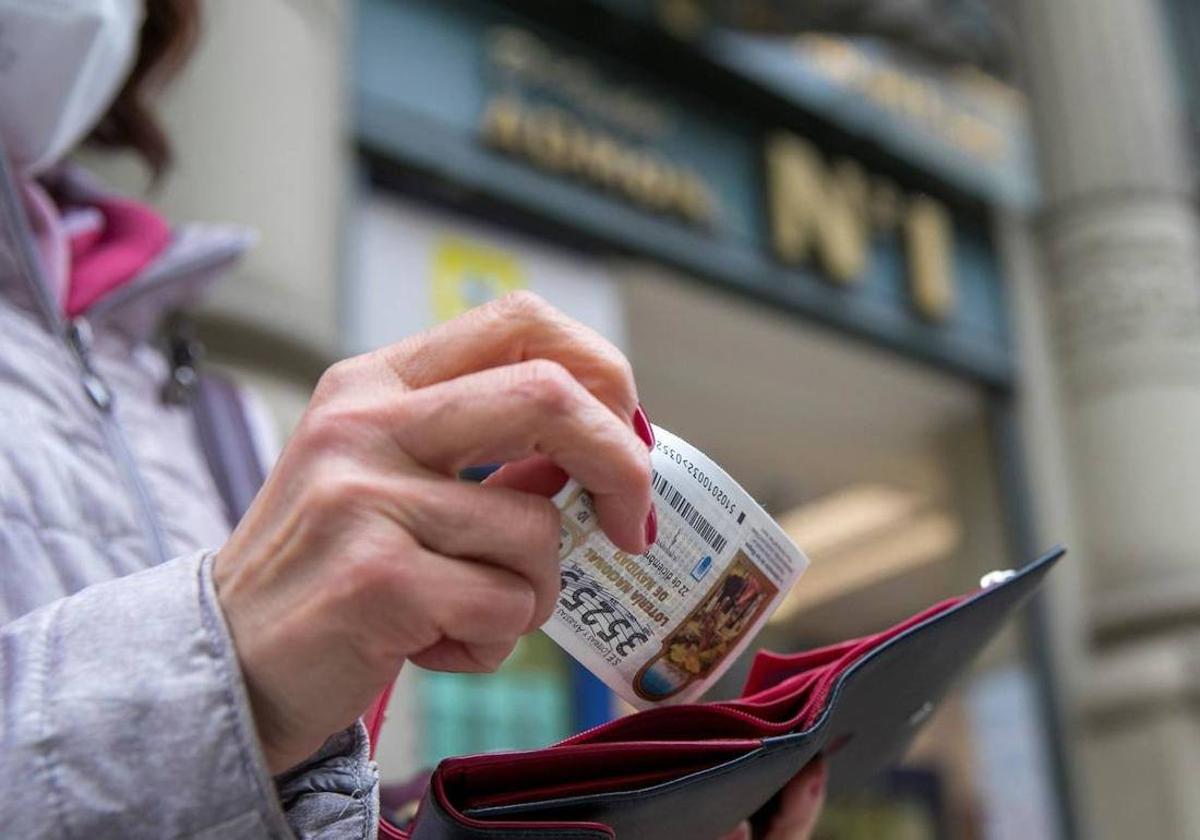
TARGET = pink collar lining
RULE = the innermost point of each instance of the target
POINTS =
(104, 258)
(84, 262)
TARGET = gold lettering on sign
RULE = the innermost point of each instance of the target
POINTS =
(944, 107)
(930, 239)
(828, 214)
(519, 55)
(552, 139)
(815, 212)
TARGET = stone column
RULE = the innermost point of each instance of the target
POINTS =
(1119, 230)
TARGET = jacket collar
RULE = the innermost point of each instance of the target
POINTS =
(197, 256)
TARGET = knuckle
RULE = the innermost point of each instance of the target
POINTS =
(324, 497)
(365, 573)
(347, 423)
(344, 491)
(542, 534)
(548, 385)
(545, 609)
(335, 379)
(544, 522)
(324, 427)
(491, 657)
(525, 305)
(611, 362)
(622, 372)
(521, 611)
(369, 574)
(423, 508)
(621, 366)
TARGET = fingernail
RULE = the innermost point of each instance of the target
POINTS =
(641, 425)
(651, 526)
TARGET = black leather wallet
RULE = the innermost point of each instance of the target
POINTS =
(695, 771)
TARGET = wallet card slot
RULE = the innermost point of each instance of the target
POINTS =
(587, 787)
(770, 671)
(674, 723)
(512, 778)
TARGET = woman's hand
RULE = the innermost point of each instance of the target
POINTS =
(799, 810)
(363, 550)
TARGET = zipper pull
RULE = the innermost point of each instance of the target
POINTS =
(79, 337)
(184, 351)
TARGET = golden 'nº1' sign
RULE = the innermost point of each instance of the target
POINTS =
(828, 214)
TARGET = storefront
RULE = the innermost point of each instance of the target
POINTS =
(793, 244)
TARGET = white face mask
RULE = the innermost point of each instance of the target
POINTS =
(62, 62)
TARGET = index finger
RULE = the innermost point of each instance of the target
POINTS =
(534, 408)
(515, 328)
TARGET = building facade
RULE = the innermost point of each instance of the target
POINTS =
(834, 270)
(799, 245)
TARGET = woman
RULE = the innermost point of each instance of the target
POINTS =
(151, 685)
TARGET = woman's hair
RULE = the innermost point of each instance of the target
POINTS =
(168, 34)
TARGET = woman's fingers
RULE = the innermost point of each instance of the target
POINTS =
(476, 603)
(515, 328)
(742, 832)
(800, 808)
(513, 530)
(802, 801)
(462, 658)
(535, 407)
(536, 474)
(362, 551)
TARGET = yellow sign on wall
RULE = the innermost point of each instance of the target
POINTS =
(467, 274)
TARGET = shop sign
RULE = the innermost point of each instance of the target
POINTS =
(830, 213)
(822, 215)
(599, 138)
(529, 118)
(968, 127)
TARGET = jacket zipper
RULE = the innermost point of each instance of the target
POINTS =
(77, 335)
(79, 338)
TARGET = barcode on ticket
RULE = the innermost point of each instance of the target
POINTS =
(689, 514)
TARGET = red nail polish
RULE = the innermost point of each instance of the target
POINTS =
(651, 526)
(641, 425)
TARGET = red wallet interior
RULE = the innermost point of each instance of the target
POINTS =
(783, 693)
(512, 778)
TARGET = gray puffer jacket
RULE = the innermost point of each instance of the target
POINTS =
(122, 708)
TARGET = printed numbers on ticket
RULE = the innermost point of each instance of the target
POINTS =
(663, 626)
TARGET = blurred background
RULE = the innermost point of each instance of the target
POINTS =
(921, 274)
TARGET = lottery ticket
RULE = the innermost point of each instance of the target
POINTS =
(661, 627)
